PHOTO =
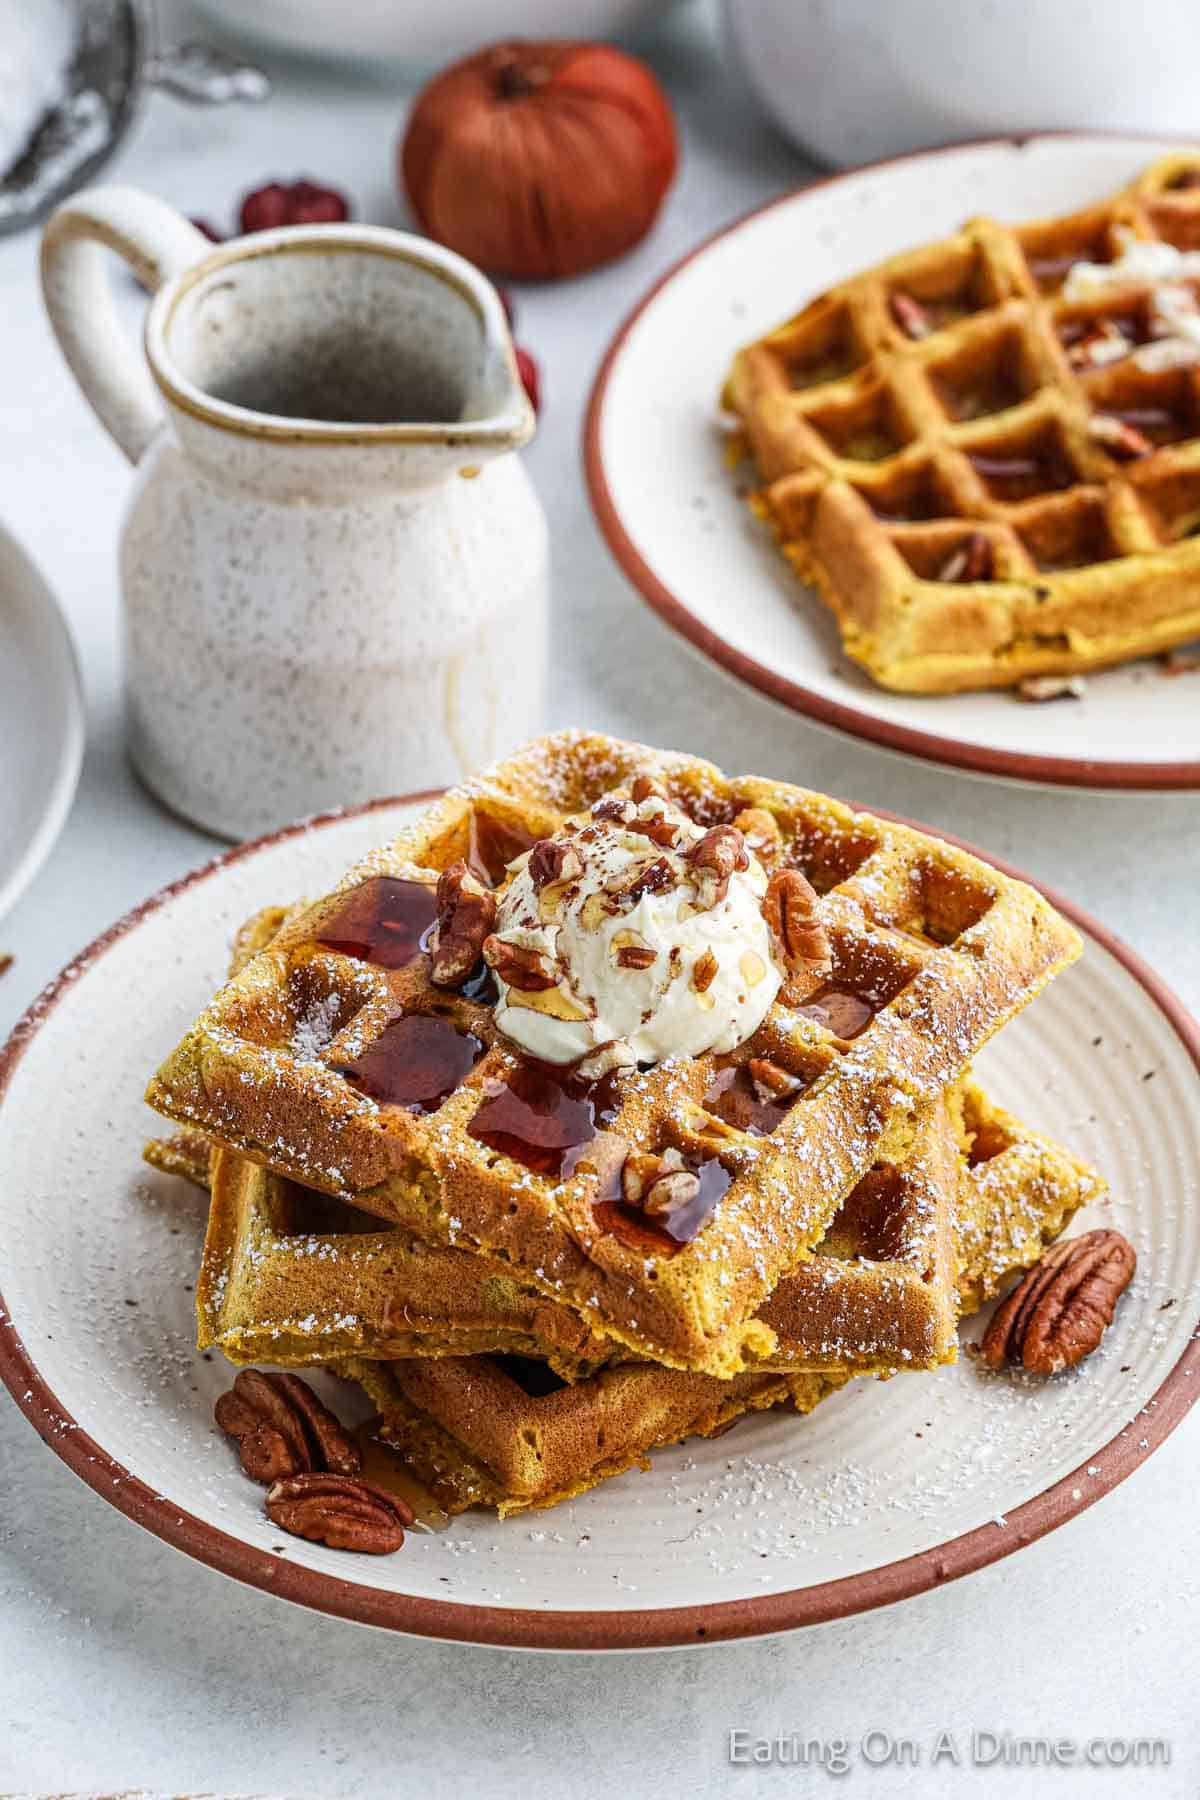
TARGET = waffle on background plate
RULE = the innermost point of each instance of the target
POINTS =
(933, 951)
(985, 480)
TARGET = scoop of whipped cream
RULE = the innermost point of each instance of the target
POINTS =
(633, 936)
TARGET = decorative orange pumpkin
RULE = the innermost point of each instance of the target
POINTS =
(538, 160)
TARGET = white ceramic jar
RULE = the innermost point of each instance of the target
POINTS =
(333, 568)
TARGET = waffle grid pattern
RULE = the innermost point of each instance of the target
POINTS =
(479, 1432)
(947, 948)
(938, 451)
(292, 1277)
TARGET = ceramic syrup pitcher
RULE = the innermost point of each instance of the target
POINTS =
(333, 568)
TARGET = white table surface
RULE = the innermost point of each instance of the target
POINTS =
(124, 1665)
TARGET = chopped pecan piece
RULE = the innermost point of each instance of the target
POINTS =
(551, 862)
(644, 786)
(341, 1511)
(704, 972)
(636, 956)
(613, 808)
(658, 1184)
(790, 909)
(1008, 469)
(655, 878)
(770, 1081)
(658, 828)
(1052, 687)
(518, 967)
(1180, 661)
(1105, 342)
(1119, 437)
(713, 859)
(761, 831)
(466, 913)
(972, 561)
(1057, 1314)
(605, 1059)
(910, 315)
(282, 1428)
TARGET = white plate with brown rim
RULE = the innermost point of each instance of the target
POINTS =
(888, 1489)
(667, 502)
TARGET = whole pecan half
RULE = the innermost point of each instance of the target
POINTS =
(1057, 1314)
(518, 967)
(341, 1511)
(658, 1184)
(790, 909)
(713, 859)
(551, 861)
(466, 914)
(282, 1428)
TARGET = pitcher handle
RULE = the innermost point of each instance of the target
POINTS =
(157, 243)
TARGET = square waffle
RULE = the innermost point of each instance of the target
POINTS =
(500, 1432)
(984, 480)
(296, 1278)
(506, 1433)
(1018, 1193)
(932, 951)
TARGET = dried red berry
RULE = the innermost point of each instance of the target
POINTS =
(531, 381)
(208, 231)
(292, 203)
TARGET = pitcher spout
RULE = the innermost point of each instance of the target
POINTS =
(360, 339)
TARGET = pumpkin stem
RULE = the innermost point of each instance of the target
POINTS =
(515, 79)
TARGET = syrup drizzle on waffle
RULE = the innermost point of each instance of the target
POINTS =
(544, 1117)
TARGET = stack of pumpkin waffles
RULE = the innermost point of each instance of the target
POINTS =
(614, 1099)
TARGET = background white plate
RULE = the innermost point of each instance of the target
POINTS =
(41, 721)
(666, 499)
(782, 1522)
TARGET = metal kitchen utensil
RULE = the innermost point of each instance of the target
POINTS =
(115, 61)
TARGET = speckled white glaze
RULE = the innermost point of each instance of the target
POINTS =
(334, 571)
